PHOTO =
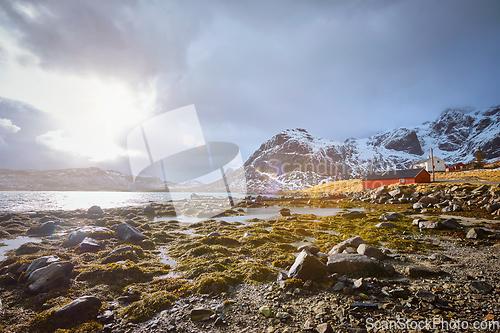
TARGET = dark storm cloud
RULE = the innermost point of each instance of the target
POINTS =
(337, 68)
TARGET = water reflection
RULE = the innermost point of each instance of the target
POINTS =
(12, 244)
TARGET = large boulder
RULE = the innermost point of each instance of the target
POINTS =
(44, 229)
(307, 267)
(345, 263)
(89, 245)
(493, 207)
(422, 271)
(429, 200)
(351, 242)
(311, 248)
(428, 225)
(354, 215)
(80, 310)
(5, 217)
(370, 251)
(451, 224)
(285, 212)
(127, 232)
(78, 235)
(50, 276)
(391, 217)
(477, 233)
(95, 211)
(39, 263)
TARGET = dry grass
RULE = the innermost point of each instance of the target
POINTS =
(482, 174)
(339, 187)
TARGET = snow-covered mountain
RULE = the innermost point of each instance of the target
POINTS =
(84, 179)
(295, 159)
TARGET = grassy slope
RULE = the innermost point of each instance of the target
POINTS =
(355, 185)
(481, 174)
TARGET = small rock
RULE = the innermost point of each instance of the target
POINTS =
(481, 287)
(359, 284)
(282, 315)
(440, 257)
(106, 317)
(419, 271)
(247, 234)
(351, 242)
(403, 293)
(213, 234)
(426, 296)
(324, 328)
(201, 314)
(285, 212)
(338, 286)
(364, 306)
(311, 248)
(308, 325)
(266, 311)
(307, 266)
(386, 225)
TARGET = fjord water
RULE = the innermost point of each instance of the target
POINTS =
(35, 201)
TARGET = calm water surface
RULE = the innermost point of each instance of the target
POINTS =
(33, 201)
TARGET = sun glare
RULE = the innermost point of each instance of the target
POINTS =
(93, 114)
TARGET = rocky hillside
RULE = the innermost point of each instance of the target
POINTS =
(84, 179)
(295, 159)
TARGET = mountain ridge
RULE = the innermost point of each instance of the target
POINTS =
(455, 136)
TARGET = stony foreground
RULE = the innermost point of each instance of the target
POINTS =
(406, 259)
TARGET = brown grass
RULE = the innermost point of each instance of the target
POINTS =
(487, 175)
(338, 187)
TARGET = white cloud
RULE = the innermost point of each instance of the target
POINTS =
(93, 148)
(6, 128)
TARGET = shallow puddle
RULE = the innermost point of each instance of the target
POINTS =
(12, 244)
(262, 213)
(305, 240)
(168, 260)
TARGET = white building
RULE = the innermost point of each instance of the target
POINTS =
(439, 164)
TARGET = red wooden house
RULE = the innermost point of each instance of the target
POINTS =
(409, 176)
(456, 167)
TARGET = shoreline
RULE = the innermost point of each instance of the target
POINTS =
(228, 273)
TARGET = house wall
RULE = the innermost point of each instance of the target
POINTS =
(381, 182)
(439, 165)
(423, 177)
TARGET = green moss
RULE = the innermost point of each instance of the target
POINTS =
(147, 307)
(224, 241)
(116, 273)
(212, 283)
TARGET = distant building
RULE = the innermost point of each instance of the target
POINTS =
(439, 164)
(409, 176)
(456, 167)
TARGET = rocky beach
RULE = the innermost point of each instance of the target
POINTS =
(422, 257)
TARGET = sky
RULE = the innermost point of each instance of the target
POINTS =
(76, 77)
